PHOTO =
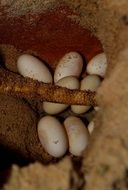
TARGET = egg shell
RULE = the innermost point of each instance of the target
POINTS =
(52, 136)
(97, 65)
(69, 65)
(78, 135)
(78, 109)
(53, 108)
(96, 108)
(91, 127)
(30, 66)
(90, 82)
(69, 82)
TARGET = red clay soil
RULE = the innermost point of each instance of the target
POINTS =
(105, 163)
(50, 35)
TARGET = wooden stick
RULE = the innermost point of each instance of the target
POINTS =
(14, 84)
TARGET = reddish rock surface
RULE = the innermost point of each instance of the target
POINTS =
(50, 35)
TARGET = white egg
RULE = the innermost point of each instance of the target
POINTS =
(91, 127)
(52, 136)
(55, 108)
(70, 65)
(30, 66)
(96, 108)
(90, 82)
(78, 135)
(78, 109)
(97, 65)
(70, 82)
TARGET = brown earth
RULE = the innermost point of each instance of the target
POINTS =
(104, 163)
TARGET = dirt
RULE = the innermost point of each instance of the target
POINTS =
(105, 161)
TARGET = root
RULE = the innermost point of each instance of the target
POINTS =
(14, 84)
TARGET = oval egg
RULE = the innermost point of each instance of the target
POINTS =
(90, 82)
(52, 136)
(30, 66)
(97, 65)
(69, 82)
(70, 65)
(78, 135)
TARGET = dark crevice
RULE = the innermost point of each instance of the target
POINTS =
(125, 19)
(77, 180)
(7, 158)
(121, 184)
(2, 61)
(4, 176)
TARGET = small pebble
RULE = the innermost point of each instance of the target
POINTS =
(96, 108)
(91, 127)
